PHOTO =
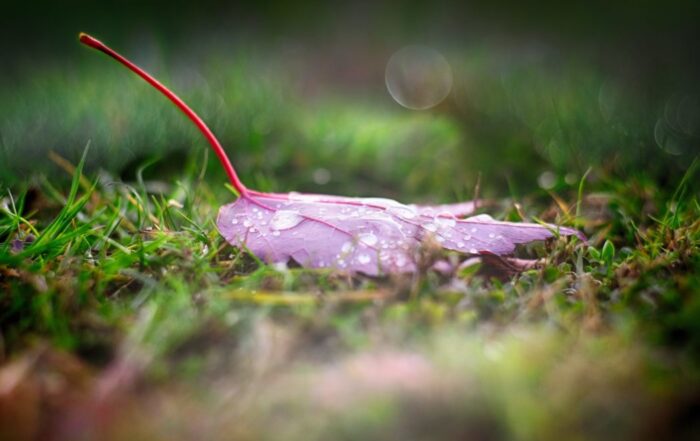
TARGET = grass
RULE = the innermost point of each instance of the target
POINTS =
(125, 315)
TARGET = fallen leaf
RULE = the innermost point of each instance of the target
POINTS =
(372, 236)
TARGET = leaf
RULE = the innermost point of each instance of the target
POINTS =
(372, 235)
(608, 253)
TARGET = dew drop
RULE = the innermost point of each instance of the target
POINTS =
(368, 239)
(467, 237)
(275, 233)
(347, 247)
(363, 259)
(402, 211)
(473, 251)
(247, 223)
(460, 244)
(431, 227)
(285, 219)
(234, 221)
(491, 235)
(446, 221)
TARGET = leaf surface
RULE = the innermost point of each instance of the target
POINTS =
(371, 235)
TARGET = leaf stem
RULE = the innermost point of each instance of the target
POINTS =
(208, 134)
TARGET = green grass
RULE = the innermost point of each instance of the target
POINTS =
(104, 268)
(117, 290)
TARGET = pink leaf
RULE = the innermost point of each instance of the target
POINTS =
(369, 235)
(460, 209)
(372, 236)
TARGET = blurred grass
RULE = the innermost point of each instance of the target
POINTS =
(284, 116)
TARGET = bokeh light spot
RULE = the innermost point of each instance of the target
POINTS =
(547, 180)
(321, 176)
(418, 77)
(666, 139)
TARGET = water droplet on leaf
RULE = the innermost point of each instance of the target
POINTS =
(431, 227)
(402, 211)
(446, 221)
(285, 219)
(368, 239)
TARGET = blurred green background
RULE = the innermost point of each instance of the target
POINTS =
(297, 94)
